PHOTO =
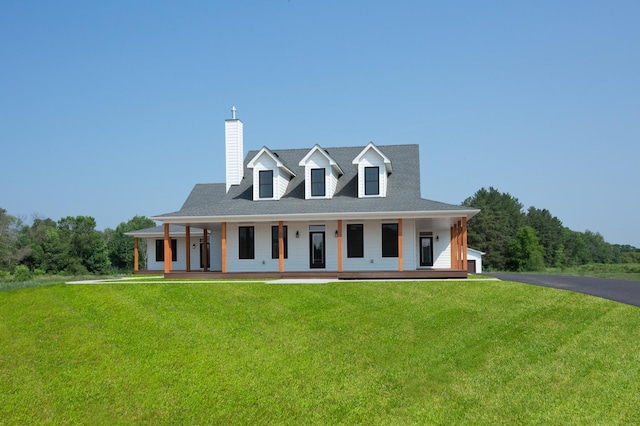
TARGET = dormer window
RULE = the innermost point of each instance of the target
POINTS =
(266, 183)
(321, 173)
(318, 188)
(374, 168)
(371, 180)
(270, 175)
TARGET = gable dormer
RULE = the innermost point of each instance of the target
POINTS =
(270, 175)
(321, 173)
(374, 169)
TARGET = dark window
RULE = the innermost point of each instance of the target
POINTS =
(245, 242)
(266, 183)
(371, 181)
(274, 242)
(160, 250)
(389, 240)
(317, 183)
(355, 240)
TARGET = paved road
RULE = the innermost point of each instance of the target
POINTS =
(619, 290)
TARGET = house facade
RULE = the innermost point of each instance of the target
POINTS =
(344, 211)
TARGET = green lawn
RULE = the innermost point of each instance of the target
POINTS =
(446, 352)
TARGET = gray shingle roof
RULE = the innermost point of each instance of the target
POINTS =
(403, 190)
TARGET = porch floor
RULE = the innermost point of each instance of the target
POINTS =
(420, 274)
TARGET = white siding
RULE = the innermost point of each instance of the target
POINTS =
(262, 244)
(441, 249)
(298, 248)
(153, 265)
(215, 254)
(373, 259)
(409, 245)
(280, 183)
(332, 183)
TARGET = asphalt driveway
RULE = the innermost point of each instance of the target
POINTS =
(618, 290)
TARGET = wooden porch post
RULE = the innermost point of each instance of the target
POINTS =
(224, 247)
(400, 266)
(167, 249)
(188, 247)
(339, 245)
(454, 250)
(465, 265)
(205, 252)
(135, 254)
(459, 244)
(281, 246)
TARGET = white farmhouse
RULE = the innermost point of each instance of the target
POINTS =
(344, 212)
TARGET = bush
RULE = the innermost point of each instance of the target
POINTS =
(21, 273)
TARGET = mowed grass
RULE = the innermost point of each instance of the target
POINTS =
(441, 352)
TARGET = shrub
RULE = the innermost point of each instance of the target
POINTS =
(21, 273)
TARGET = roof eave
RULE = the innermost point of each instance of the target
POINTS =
(468, 213)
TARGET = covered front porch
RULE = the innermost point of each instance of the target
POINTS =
(271, 259)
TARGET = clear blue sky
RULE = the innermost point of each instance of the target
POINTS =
(116, 108)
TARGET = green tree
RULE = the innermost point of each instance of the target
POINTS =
(493, 229)
(86, 246)
(55, 252)
(120, 246)
(599, 250)
(575, 248)
(36, 237)
(7, 239)
(628, 253)
(549, 230)
(9, 229)
(526, 254)
(559, 257)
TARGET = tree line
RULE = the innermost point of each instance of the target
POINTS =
(70, 246)
(532, 240)
(512, 238)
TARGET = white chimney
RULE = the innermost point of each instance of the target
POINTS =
(233, 149)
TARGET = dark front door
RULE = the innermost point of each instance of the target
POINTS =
(316, 249)
(426, 251)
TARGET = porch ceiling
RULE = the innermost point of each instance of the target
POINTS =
(436, 223)
(211, 226)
